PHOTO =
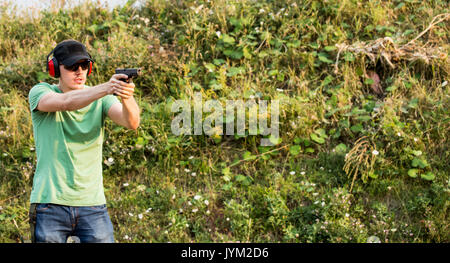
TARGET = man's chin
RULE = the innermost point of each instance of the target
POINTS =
(78, 86)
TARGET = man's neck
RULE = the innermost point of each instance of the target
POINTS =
(65, 89)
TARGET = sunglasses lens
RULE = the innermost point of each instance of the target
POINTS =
(84, 65)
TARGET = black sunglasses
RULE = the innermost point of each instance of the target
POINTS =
(84, 65)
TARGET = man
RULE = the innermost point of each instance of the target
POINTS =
(67, 198)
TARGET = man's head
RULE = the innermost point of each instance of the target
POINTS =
(71, 63)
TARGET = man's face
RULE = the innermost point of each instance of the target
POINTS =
(74, 77)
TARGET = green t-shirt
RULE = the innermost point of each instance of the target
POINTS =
(69, 151)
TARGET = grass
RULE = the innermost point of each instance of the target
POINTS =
(317, 185)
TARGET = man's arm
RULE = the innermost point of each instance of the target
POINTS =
(77, 99)
(72, 100)
(126, 114)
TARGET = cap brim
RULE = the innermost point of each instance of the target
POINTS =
(74, 59)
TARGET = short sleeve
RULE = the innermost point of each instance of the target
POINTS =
(107, 102)
(36, 94)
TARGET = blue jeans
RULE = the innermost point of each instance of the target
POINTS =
(55, 223)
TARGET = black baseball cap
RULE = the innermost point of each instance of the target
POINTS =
(69, 52)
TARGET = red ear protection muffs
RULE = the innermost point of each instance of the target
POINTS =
(53, 66)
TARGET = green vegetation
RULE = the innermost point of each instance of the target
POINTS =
(352, 162)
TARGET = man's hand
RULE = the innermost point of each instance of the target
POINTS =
(121, 88)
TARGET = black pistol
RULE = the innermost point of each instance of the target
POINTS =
(130, 72)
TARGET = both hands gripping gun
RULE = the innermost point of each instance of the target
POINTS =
(130, 72)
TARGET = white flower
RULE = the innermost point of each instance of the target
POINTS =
(191, 157)
(399, 134)
(197, 197)
(206, 202)
(193, 174)
(415, 139)
(126, 184)
(228, 219)
(130, 214)
(444, 83)
(323, 203)
(207, 212)
(140, 216)
(194, 210)
(187, 170)
(126, 237)
(261, 10)
(148, 210)
(347, 215)
(375, 152)
(109, 161)
(173, 196)
(302, 173)
(292, 173)
(218, 34)
(280, 90)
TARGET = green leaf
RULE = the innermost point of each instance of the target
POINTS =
(391, 88)
(341, 148)
(247, 53)
(413, 172)
(314, 45)
(234, 54)
(294, 149)
(356, 128)
(323, 58)
(321, 132)
(218, 62)
(233, 71)
(369, 81)
(274, 140)
(309, 150)
(227, 39)
(317, 139)
(416, 162)
(294, 44)
(417, 153)
(373, 175)
(248, 156)
(364, 118)
(428, 176)
(330, 48)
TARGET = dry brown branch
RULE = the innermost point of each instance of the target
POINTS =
(386, 48)
(359, 159)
